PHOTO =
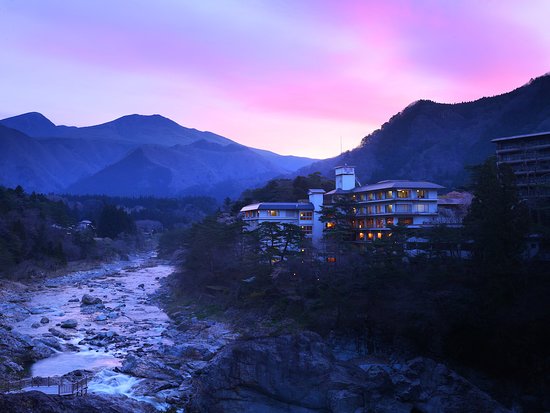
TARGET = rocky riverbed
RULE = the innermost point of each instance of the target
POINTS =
(108, 323)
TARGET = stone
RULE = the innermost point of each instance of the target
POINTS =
(101, 317)
(88, 299)
(299, 373)
(38, 402)
(35, 325)
(69, 323)
(59, 333)
(44, 320)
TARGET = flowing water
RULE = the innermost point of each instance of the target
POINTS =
(103, 335)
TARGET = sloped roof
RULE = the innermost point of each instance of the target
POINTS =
(289, 206)
(531, 135)
(398, 184)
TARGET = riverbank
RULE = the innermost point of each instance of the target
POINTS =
(91, 320)
(262, 364)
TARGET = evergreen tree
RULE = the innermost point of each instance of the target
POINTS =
(497, 221)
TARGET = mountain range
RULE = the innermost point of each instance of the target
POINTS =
(437, 141)
(132, 155)
(152, 155)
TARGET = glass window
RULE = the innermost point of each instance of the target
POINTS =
(422, 208)
(306, 215)
(403, 208)
(389, 208)
(308, 229)
(273, 213)
(406, 221)
(389, 194)
(421, 193)
(403, 193)
(371, 196)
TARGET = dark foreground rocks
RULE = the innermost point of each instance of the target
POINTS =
(36, 402)
(298, 373)
(18, 350)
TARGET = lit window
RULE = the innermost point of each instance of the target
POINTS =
(307, 229)
(379, 235)
(389, 221)
(371, 196)
(389, 194)
(389, 208)
(331, 259)
(306, 215)
(421, 193)
(406, 221)
(273, 213)
(403, 193)
(361, 235)
(370, 235)
(330, 225)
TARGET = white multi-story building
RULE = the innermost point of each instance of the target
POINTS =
(377, 207)
(299, 213)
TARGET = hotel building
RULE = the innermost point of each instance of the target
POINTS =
(377, 207)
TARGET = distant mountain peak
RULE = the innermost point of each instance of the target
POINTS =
(135, 118)
(28, 122)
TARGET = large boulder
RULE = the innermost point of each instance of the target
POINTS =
(88, 299)
(299, 374)
(70, 323)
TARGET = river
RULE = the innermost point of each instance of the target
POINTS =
(126, 321)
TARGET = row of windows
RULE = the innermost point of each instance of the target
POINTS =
(391, 194)
(380, 222)
(305, 215)
(391, 208)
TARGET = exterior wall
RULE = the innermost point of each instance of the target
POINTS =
(301, 218)
(345, 177)
(529, 158)
(377, 210)
(316, 198)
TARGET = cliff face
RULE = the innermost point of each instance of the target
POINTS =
(435, 142)
(299, 374)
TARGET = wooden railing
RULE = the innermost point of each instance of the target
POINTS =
(64, 386)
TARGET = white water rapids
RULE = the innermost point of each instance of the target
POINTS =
(129, 315)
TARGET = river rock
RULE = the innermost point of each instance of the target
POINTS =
(38, 402)
(149, 367)
(44, 320)
(101, 317)
(299, 374)
(88, 299)
(59, 333)
(70, 323)
(36, 325)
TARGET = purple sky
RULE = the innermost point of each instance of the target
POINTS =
(292, 76)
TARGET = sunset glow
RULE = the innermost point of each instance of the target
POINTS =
(292, 77)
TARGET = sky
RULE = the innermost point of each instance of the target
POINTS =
(300, 77)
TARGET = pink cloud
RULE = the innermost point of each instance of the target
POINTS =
(354, 62)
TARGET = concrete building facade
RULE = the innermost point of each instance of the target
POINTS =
(376, 207)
